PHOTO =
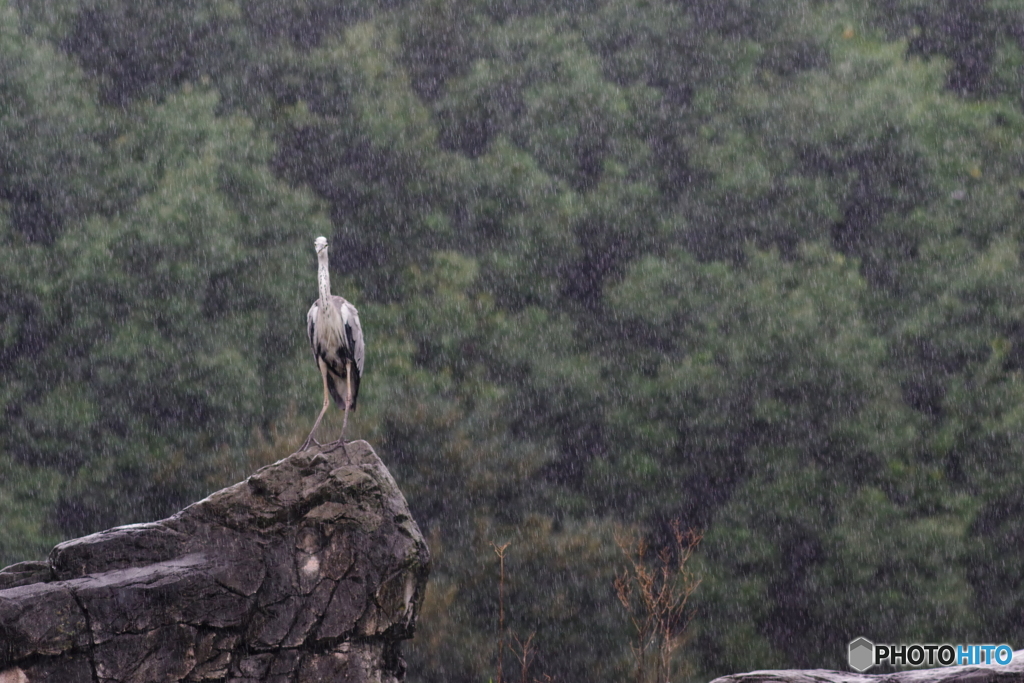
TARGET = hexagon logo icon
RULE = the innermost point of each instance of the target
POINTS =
(862, 655)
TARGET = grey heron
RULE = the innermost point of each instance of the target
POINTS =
(336, 338)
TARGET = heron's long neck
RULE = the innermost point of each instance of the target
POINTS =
(324, 278)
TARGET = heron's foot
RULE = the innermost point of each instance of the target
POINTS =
(309, 440)
(334, 444)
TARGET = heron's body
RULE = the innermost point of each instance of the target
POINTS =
(336, 338)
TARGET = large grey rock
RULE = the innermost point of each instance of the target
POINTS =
(983, 673)
(310, 570)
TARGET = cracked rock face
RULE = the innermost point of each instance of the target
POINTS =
(310, 570)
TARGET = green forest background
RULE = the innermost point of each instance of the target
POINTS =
(752, 265)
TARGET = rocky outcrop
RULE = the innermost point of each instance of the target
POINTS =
(983, 673)
(310, 570)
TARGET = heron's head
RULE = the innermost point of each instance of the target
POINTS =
(320, 244)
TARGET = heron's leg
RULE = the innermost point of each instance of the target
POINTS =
(348, 402)
(348, 397)
(327, 402)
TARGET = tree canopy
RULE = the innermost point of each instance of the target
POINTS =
(751, 266)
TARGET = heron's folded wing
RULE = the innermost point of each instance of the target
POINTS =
(311, 327)
(354, 335)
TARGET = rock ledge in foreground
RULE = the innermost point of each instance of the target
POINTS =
(985, 673)
(310, 570)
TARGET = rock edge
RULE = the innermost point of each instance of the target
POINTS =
(312, 569)
(981, 673)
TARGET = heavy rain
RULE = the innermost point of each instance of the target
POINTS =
(734, 282)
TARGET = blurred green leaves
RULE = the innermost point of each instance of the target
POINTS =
(167, 313)
(752, 266)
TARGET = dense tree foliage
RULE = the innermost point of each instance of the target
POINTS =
(753, 266)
